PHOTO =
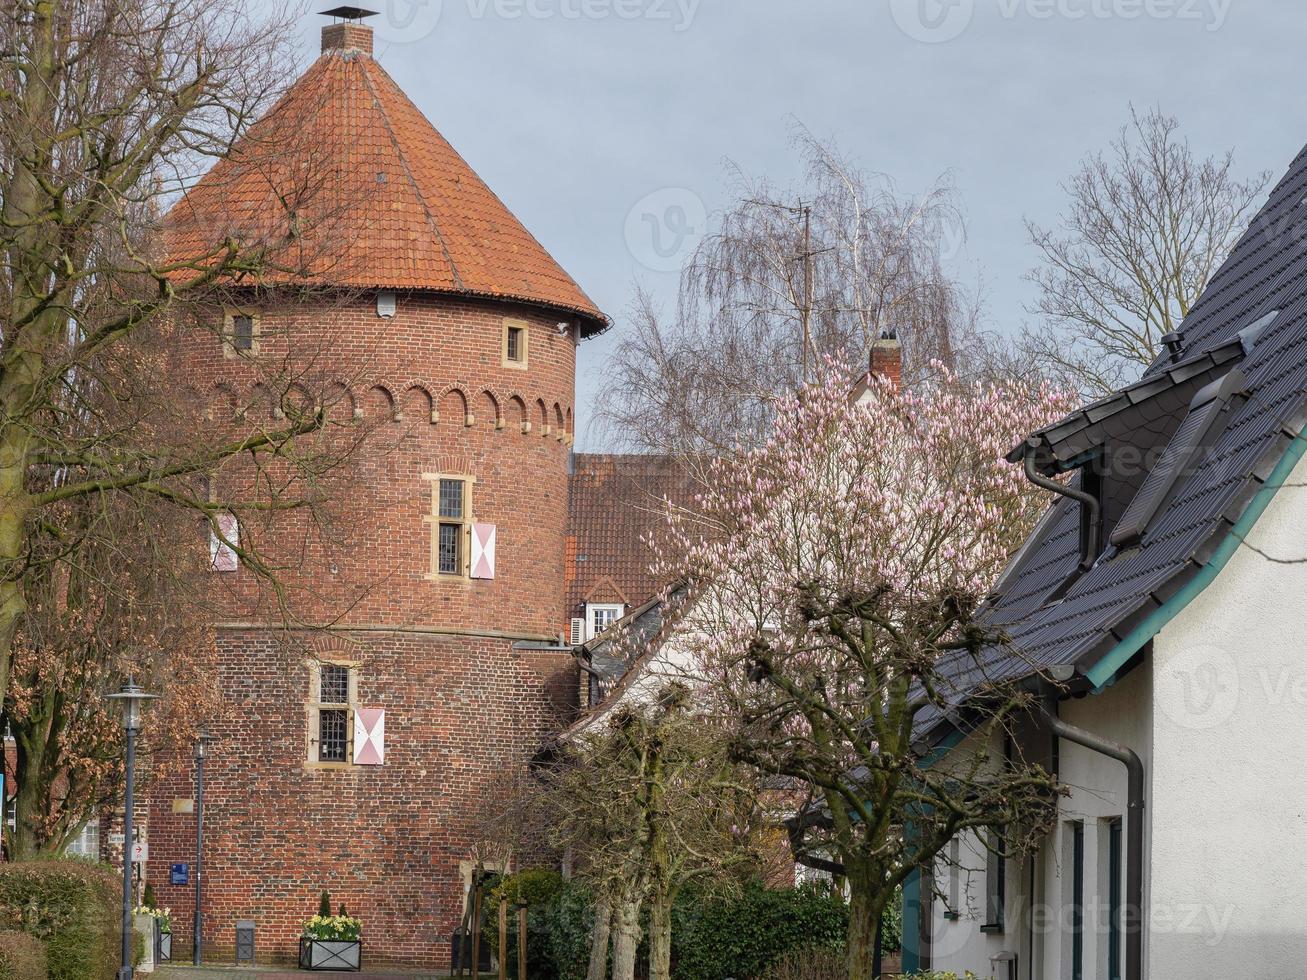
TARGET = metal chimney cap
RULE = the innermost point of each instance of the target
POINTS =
(349, 13)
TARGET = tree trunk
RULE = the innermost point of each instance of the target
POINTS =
(660, 937)
(599, 939)
(865, 910)
(626, 939)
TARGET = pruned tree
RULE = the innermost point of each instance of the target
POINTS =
(1146, 226)
(837, 572)
(787, 278)
(648, 802)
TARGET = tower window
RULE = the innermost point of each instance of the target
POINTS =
(241, 333)
(451, 518)
(331, 713)
(515, 344)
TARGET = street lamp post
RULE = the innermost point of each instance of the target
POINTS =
(131, 698)
(201, 742)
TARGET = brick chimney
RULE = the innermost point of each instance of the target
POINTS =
(887, 358)
(350, 36)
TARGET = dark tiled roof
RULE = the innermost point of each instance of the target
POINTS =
(614, 503)
(1266, 272)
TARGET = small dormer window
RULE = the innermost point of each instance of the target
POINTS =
(600, 616)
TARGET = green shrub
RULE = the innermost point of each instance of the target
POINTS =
(741, 935)
(73, 908)
(540, 889)
(22, 957)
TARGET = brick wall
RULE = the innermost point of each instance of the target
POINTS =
(423, 392)
(461, 715)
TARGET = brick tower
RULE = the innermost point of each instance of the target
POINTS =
(422, 664)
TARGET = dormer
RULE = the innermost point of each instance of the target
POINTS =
(1125, 454)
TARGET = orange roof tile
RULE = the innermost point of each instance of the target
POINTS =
(344, 182)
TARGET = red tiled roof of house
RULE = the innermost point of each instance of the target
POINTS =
(345, 183)
(614, 503)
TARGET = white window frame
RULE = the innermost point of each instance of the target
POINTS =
(611, 612)
(81, 846)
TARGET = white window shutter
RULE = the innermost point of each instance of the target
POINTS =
(483, 551)
(222, 557)
(369, 736)
(578, 631)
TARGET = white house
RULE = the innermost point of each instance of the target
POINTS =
(1159, 611)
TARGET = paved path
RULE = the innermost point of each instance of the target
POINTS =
(178, 972)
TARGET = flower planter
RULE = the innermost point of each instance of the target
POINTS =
(331, 954)
(162, 946)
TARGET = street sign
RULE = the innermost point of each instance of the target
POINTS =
(116, 839)
(140, 852)
(180, 874)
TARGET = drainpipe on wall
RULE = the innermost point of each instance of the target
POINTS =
(1134, 875)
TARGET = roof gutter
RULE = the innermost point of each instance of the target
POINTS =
(1132, 918)
(1102, 672)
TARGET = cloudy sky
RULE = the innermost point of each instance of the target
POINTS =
(606, 124)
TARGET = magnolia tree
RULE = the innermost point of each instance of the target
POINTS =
(837, 572)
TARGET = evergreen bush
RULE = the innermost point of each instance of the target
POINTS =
(73, 908)
(22, 957)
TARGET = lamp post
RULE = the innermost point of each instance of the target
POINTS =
(201, 743)
(131, 697)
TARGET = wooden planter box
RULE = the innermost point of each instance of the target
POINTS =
(331, 954)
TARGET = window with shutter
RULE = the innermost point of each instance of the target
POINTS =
(331, 713)
(452, 529)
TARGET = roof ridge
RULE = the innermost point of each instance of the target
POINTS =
(408, 172)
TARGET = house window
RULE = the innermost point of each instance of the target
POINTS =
(451, 518)
(241, 333)
(515, 343)
(87, 843)
(1114, 900)
(332, 713)
(1077, 971)
(995, 884)
(600, 617)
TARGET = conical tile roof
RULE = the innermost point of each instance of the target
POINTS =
(345, 183)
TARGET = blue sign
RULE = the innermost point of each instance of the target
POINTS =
(181, 874)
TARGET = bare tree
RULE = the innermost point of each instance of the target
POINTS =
(649, 802)
(108, 109)
(789, 278)
(1147, 225)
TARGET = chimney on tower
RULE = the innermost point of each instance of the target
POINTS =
(887, 358)
(347, 32)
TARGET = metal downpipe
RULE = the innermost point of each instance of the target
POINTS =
(1133, 923)
(1089, 553)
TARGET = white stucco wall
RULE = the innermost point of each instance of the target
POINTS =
(1229, 778)
(1038, 927)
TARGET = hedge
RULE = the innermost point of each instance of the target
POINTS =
(22, 957)
(714, 934)
(741, 935)
(73, 907)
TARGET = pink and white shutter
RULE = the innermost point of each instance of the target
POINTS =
(369, 736)
(222, 556)
(483, 550)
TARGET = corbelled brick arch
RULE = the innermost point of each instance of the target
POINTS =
(441, 346)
